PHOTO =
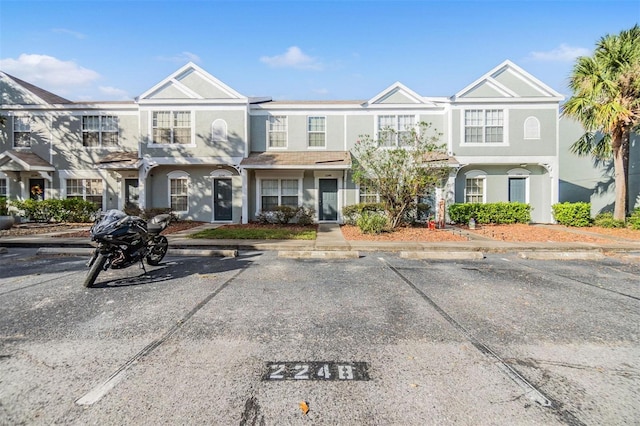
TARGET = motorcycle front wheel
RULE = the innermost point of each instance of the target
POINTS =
(158, 250)
(95, 269)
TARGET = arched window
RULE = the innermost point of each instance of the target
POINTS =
(179, 191)
(475, 186)
(219, 131)
(531, 128)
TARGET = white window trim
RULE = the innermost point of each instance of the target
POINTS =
(13, 130)
(286, 133)
(395, 128)
(100, 131)
(324, 132)
(260, 176)
(519, 172)
(5, 178)
(84, 177)
(192, 115)
(223, 126)
(358, 193)
(505, 128)
(536, 134)
(178, 174)
(476, 174)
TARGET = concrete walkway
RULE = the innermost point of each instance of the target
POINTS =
(330, 239)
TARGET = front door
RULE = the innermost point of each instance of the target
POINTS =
(222, 200)
(131, 193)
(328, 207)
(36, 189)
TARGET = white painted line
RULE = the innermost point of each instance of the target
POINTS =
(561, 255)
(95, 394)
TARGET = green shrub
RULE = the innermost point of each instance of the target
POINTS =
(633, 221)
(4, 206)
(498, 213)
(372, 223)
(606, 220)
(283, 215)
(54, 210)
(572, 214)
(351, 213)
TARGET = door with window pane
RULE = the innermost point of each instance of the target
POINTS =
(131, 193)
(518, 190)
(222, 200)
(328, 207)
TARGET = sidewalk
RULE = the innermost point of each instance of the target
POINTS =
(330, 238)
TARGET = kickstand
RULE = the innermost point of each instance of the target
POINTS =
(142, 266)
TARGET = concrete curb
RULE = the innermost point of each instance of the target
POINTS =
(442, 255)
(561, 255)
(79, 251)
(319, 254)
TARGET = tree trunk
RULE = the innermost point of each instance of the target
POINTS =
(620, 209)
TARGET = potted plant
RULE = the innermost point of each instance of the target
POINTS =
(6, 220)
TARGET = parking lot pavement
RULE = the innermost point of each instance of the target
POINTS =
(376, 340)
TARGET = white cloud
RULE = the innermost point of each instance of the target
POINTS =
(562, 53)
(72, 33)
(293, 58)
(180, 58)
(114, 93)
(60, 77)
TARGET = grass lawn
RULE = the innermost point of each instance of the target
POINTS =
(258, 232)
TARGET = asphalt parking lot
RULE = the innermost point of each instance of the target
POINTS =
(375, 340)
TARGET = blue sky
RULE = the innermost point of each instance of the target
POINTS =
(303, 50)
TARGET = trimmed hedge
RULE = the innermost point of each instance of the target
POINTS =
(352, 212)
(572, 214)
(633, 221)
(54, 210)
(372, 223)
(497, 213)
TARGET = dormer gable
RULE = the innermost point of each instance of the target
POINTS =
(397, 94)
(191, 83)
(507, 81)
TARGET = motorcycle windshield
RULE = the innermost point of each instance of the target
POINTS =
(107, 221)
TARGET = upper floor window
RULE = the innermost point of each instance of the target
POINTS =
(22, 131)
(395, 130)
(532, 128)
(316, 128)
(219, 131)
(86, 189)
(99, 130)
(172, 127)
(277, 132)
(484, 126)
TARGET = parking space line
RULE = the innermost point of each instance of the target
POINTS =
(95, 394)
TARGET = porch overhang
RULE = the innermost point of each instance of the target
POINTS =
(126, 160)
(303, 160)
(24, 161)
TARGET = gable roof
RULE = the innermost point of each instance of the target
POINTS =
(28, 161)
(41, 94)
(398, 93)
(177, 86)
(507, 81)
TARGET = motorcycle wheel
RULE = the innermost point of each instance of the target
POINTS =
(95, 269)
(158, 250)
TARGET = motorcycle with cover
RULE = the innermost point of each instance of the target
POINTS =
(123, 240)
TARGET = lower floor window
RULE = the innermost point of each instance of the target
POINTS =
(474, 190)
(278, 192)
(4, 188)
(178, 194)
(367, 195)
(86, 189)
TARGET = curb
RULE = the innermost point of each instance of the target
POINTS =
(561, 255)
(442, 255)
(319, 254)
(79, 251)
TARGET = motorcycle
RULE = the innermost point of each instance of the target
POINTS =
(124, 240)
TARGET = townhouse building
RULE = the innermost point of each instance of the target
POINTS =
(199, 147)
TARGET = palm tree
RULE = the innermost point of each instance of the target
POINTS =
(606, 101)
